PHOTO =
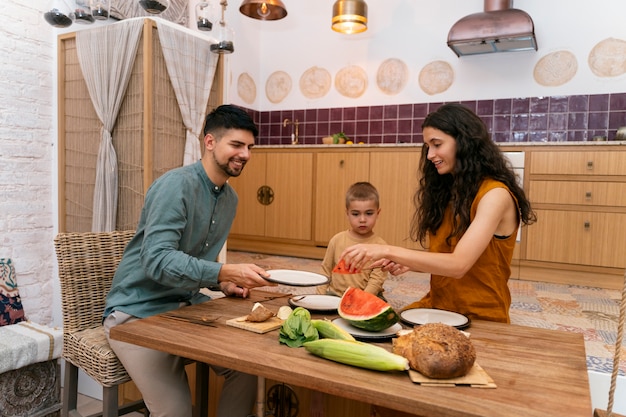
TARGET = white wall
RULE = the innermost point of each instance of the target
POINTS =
(416, 31)
(27, 149)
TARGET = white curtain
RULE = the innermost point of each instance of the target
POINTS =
(191, 66)
(106, 56)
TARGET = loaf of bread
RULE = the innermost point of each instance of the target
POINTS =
(436, 350)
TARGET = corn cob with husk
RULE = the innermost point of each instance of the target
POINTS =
(358, 354)
(329, 330)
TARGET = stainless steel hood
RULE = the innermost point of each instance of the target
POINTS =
(499, 28)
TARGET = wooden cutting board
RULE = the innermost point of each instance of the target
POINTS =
(272, 323)
(475, 378)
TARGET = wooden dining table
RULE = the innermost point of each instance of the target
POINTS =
(537, 372)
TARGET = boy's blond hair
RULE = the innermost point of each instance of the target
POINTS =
(362, 191)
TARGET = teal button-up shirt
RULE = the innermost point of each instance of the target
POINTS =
(183, 226)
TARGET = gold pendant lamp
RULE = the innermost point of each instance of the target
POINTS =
(263, 9)
(349, 16)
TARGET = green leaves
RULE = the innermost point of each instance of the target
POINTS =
(298, 329)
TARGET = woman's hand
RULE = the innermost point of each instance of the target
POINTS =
(358, 257)
(390, 266)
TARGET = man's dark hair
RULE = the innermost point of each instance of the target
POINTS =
(227, 117)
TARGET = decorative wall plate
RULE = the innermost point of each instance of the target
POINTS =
(436, 77)
(246, 88)
(351, 81)
(392, 76)
(556, 68)
(608, 58)
(278, 86)
(315, 82)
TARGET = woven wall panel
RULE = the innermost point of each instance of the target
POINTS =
(82, 136)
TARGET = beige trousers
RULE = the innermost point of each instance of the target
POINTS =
(162, 381)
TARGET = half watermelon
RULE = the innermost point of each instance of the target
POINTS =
(366, 311)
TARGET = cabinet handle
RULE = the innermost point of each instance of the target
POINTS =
(588, 195)
(587, 225)
(590, 165)
(265, 195)
(341, 163)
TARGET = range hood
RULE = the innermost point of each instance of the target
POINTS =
(499, 28)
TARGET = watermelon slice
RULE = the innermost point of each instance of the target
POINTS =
(366, 311)
(341, 268)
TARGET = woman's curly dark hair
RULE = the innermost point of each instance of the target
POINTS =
(477, 158)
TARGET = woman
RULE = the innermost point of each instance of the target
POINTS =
(468, 210)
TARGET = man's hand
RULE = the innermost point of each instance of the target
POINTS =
(237, 279)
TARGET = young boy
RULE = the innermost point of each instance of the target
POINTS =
(362, 210)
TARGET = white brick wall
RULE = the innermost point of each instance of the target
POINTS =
(27, 153)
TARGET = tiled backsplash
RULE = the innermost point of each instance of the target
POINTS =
(535, 119)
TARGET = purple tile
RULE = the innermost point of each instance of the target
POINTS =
(349, 113)
(599, 102)
(434, 106)
(362, 127)
(298, 115)
(598, 120)
(390, 112)
(405, 126)
(275, 129)
(578, 103)
(323, 115)
(376, 127)
(265, 117)
(520, 106)
(484, 107)
(488, 121)
(557, 121)
(538, 121)
(404, 138)
(276, 117)
(502, 106)
(558, 136)
(539, 104)
(349, 128)
(362, 113)
(336, 114)
(519, 122)
(577, 121)
(389, 138)
(417, 138)
(538, 136)
(617, 119)
(417, 124)
(558, 104)
(617, 102)
(405, 111)
(336, 127)
(502, 123)
(390, 127)
(500, 136)
(420, 110)
(310, 115)
(375, 139)
(376, 113)
(323, 129)
(310, 129)
(519, 137)
(577, 135)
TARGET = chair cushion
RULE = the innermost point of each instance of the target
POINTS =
(90, 351)
(26, 343)
(11, 310)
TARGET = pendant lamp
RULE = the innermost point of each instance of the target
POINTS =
(225, 35)
(349, 16)
(154, 6)
(263, 9)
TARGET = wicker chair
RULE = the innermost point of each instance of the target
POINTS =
(87, 263)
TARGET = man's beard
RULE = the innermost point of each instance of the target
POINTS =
(225, 167)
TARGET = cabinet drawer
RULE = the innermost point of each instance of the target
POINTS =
(578, 163)
(578, 192)
(578, 237)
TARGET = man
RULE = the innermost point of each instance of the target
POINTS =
(184, 223)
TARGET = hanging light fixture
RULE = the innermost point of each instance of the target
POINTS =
(349, 16)
(225, 35)
(263, 9)
(154, 6)
(61, 15)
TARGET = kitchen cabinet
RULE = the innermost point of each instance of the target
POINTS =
(275, 197)
(579, 195)
(335, 172)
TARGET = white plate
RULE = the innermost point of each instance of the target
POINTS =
(364, 334)
(419, 316)
(296, 278)
(316, 302)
